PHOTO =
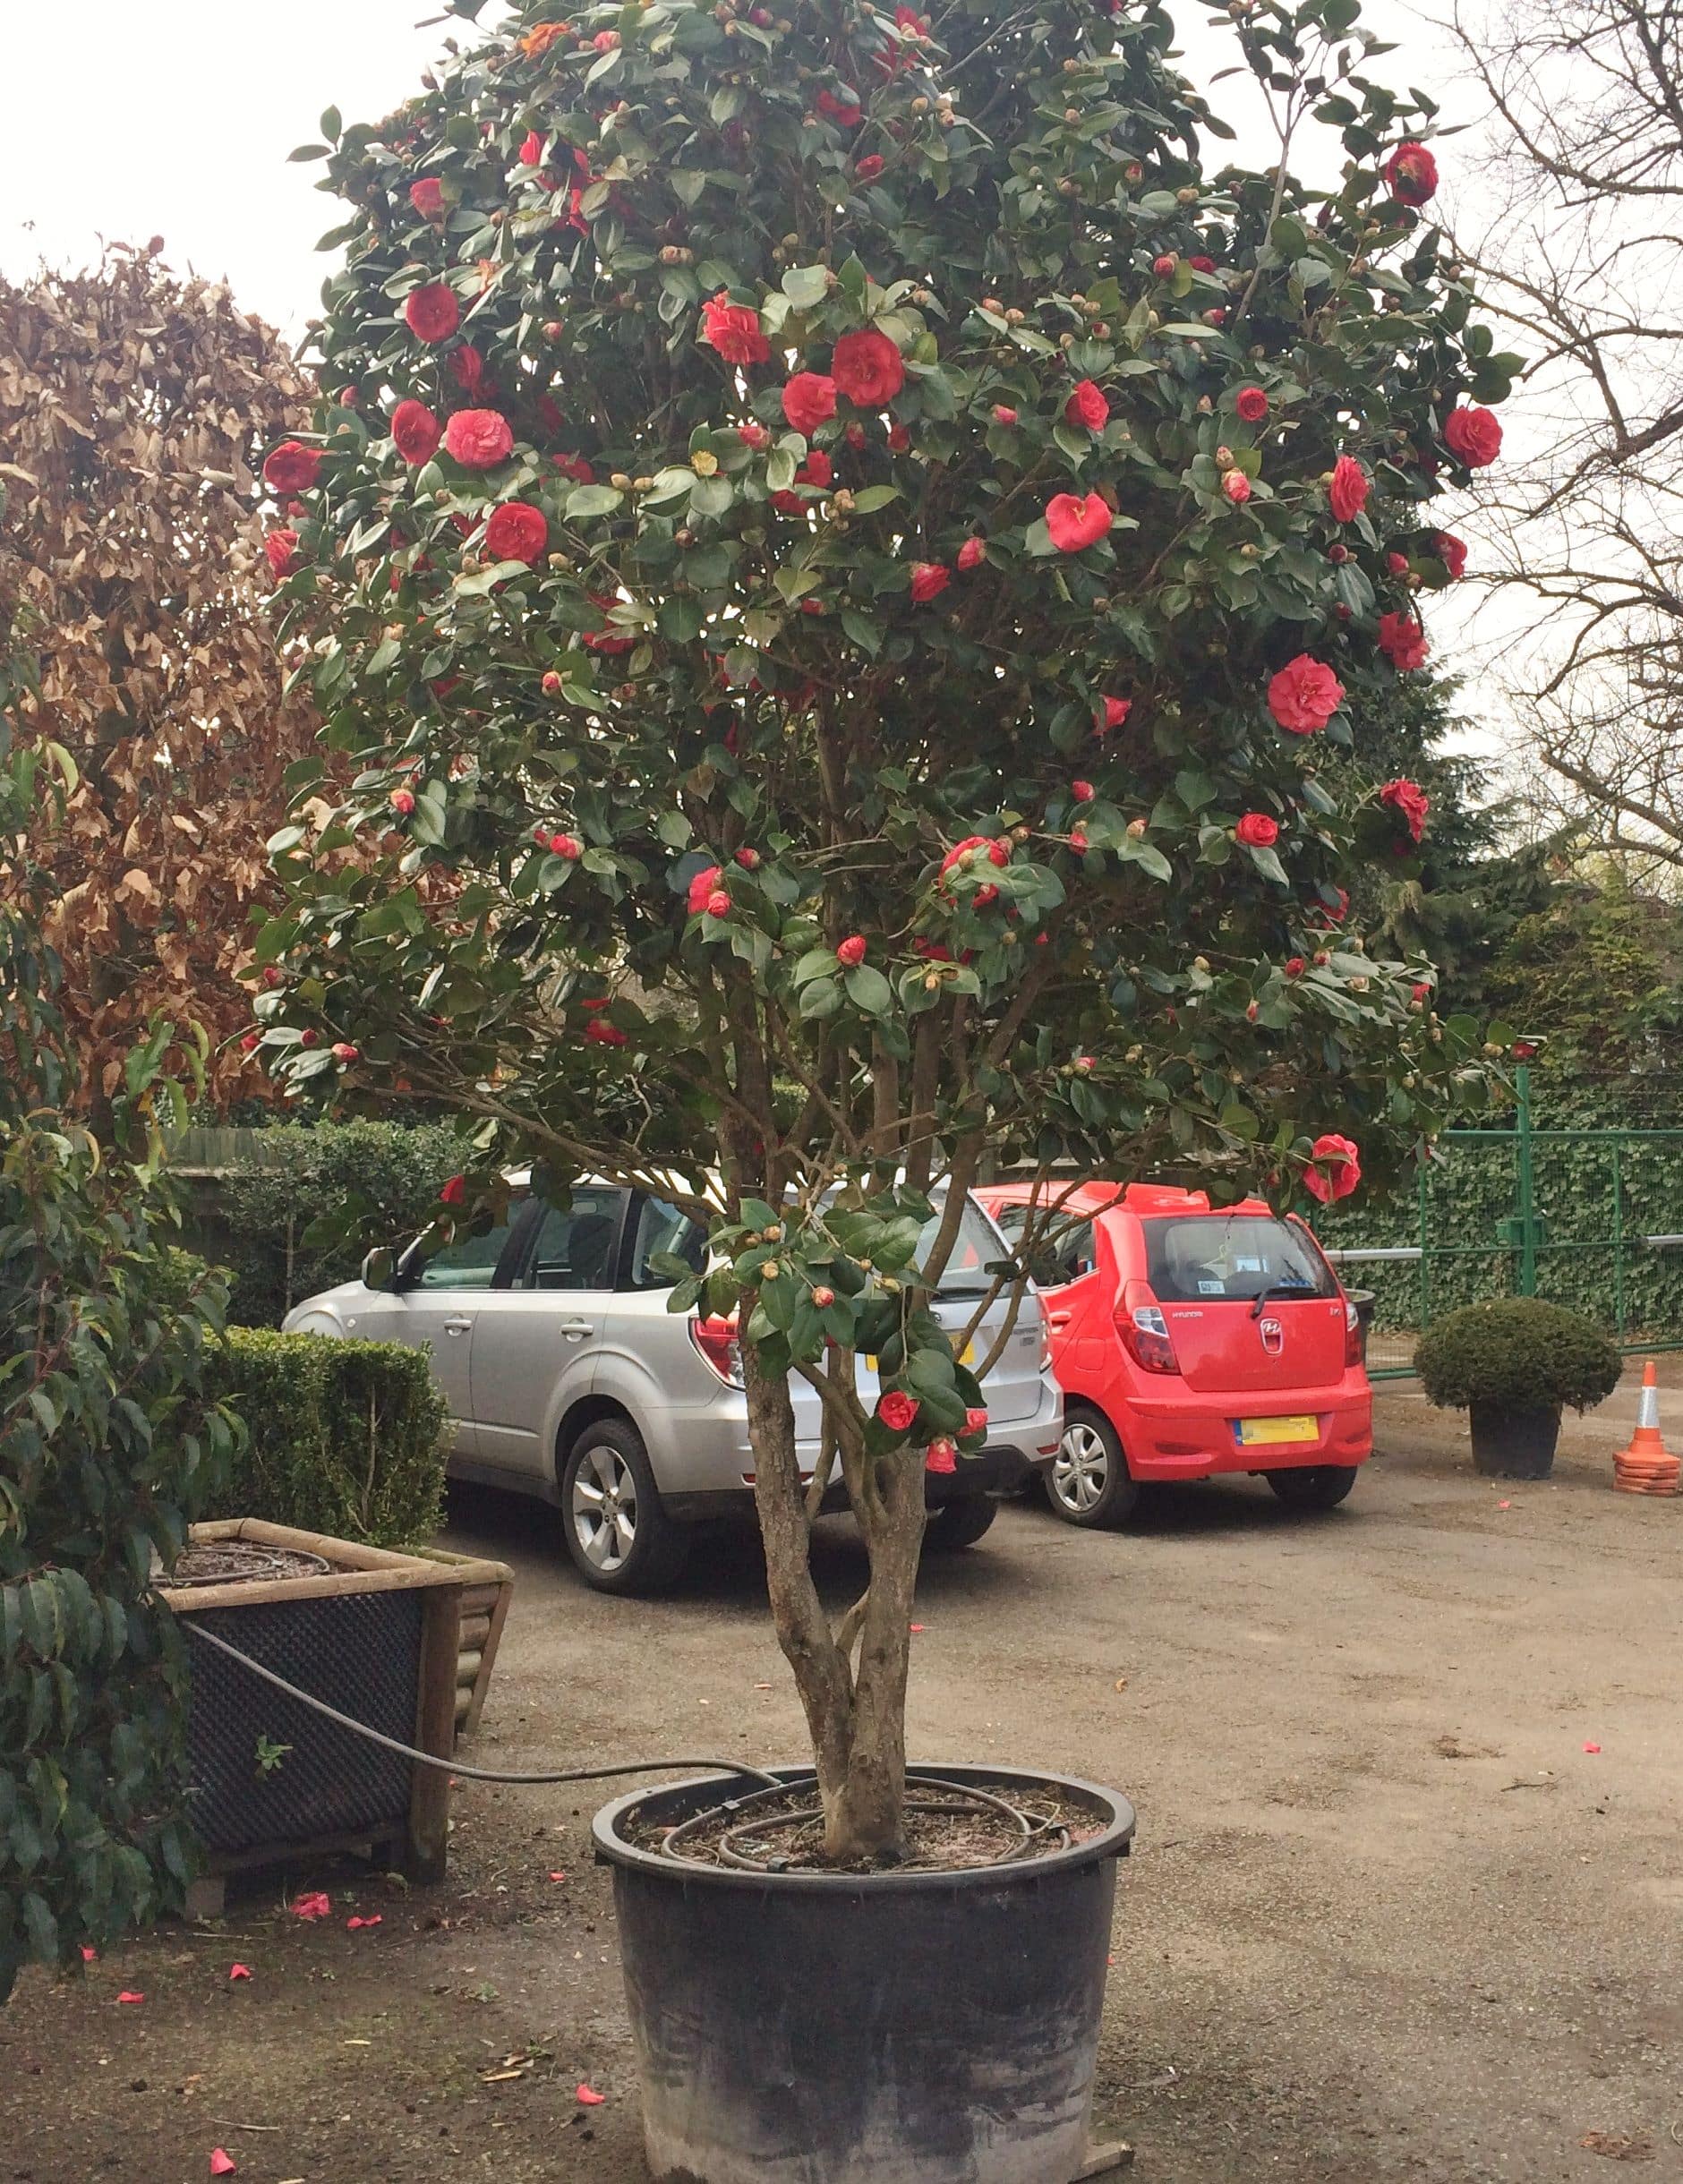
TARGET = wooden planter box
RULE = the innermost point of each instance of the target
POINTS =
(487, 1589)
(377, 1635)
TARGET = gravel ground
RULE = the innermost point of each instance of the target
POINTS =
(1391, 1916)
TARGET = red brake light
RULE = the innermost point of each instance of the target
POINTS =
(1354, 1348)
(717, 1341)
(1144, 1331)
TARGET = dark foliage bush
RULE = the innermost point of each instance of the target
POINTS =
(1519, 1353)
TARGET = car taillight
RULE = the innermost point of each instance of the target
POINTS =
(1354, 1347)
(1144, 1331)
(719, 1345)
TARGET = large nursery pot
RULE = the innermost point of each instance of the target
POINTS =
(914, 2027)
(1514, 1443)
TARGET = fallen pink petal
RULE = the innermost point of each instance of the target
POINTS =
(557, 1876)
(317, 1905)
(89, 1956)
(239, 1971)
(353, 1924)
(129, 1995)
(588, 2097)
(222, 2163)
(1592, 1748)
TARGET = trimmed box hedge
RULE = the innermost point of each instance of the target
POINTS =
(346, 1437)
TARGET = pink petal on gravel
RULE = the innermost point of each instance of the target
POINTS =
(222, 2163)
(1592, 1748)
(351, 1925)
(588, 2097)
(129, 1995)
(239, 1971)
(317, 1905)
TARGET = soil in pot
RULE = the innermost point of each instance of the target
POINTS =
(1509, 1443)
(912, 2026)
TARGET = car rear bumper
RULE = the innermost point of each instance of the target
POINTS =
(1197, 1436)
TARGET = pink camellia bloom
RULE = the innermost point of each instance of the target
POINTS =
(809, 401)
(971, 552)
(432, 312)
(1304, 694)
(942, 1454)
(1402, 640)
(755, 436)
(734, 330)
(1113, 712)
(1251, 404)
(718, 904)
(870, 167)
(292, 468)
(281, 547)
(1411, 174)
(402, 801)
(1411, 800)
(516, 532)
(1075, 521)
(415, 431)
(928, 578)
(1082, 791)
(1003, 414)
(479, 438)
(701, 886)
(897, 1410)
(867, 368)
(1087, 407)
(1347, 494)
(1473, 435)
(1236, 487)
(974, 1421)
(851, 950)
(427, 196)
(1452, 552)
(1257, 830)
(1337, 1170)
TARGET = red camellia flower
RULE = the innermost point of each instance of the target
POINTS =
(1452, 552)
(292, 468)
(1075, 521)
(432, 312)
(897, 1410)
(748, 859)
(402, 801)
(605, 41)
(734, 330)
(1082, 791)
(249, 1044)
(1411, 174)
(1294, 967)
(870, 167)
(1251, 404)
(718, 904)
(1338, 1170)
(962, 852)
(1402, 640)
(1474, 435)
(816, 470)
(1236, 487)
(899, 440)
(974, 1421)
(345, 1053)
(454, 1192)
(1411, 800)
(531, 150)
(1348, 491)
(755, 436)
(868, 369)
(1113, 712)
(467, 368)
(415, 431)
(942, 1454)
(972, 551)
(1257, 830)
(478, 438)
(601, 1034)
(427, 196)
(1087, 407)
(1397, 563)
(809, 401)
(1163, 266)
(855, 434)
(702, 886)
(576, 468)
(851, 950)
(282, 549)
(843, 111)
(1003, 414)
(1077, 841)
(1304, 695)
(516, 532)
(928, 578)
(1201, 265)
(567, 847)
(1420, 991)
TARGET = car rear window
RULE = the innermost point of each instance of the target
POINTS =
(1066, 1251)
(975, 1249)
(1200, 1257)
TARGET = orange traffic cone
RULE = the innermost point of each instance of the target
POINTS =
(1647, 1466)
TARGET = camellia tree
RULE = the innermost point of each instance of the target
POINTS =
(840, 537)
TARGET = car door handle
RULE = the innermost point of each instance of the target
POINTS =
(457, 1327)
(1059, 1319)
(576, 1330)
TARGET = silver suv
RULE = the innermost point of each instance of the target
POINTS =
(568, 1379)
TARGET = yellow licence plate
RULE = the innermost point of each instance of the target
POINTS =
(1255, 1432)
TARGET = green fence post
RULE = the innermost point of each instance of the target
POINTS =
(1425, 1246)
(1619, 1235)
(1527, 1182)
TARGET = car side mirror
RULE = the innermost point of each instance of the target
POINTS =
(380, 1270)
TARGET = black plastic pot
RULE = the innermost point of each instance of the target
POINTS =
(1514, 1444)
(883, 2028)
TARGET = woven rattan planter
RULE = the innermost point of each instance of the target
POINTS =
(374, 1633)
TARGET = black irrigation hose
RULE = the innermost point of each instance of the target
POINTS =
(454, 1766)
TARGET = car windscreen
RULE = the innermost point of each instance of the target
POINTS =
(975, 1249)
(1202, 1258)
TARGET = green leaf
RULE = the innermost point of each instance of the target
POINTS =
(806, 285)
(869, 991)
(711, 496)
(587, 500)
(873, 498)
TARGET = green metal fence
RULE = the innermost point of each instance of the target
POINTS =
(1592, 1219)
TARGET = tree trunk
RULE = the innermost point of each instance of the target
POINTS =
(856, 1723)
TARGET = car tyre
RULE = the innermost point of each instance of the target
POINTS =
(618, 1532)
(1087, 1482)
(1313, 1486)
(959, 1522)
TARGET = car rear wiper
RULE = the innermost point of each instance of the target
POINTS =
(1281, 1289)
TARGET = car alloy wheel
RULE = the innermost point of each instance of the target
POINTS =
(605, 1507)
(1080, 1471)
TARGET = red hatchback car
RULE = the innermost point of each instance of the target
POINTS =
(1191, 1340)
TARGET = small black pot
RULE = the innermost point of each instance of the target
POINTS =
(1509, 1443)
(881, 2028)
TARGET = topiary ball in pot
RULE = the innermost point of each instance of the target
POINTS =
(1511, 1364)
